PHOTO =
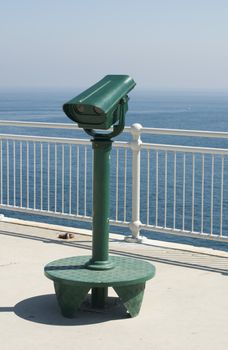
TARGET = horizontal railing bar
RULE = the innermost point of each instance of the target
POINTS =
(47, 213)
(121, 144)
(44, 139)
(189, 149)
(180, 132)
(185, 233)
(127, 129)
(14, 137)
(40, 125)
(117, 144)
(119, 223)
(59, 215)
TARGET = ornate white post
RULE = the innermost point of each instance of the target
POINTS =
(136, 147)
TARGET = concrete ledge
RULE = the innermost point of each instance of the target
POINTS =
(119, 239)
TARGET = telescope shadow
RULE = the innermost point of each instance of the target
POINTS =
(44, 309)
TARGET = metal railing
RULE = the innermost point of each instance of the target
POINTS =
(174, 189)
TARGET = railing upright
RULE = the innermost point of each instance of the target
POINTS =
(136, 150)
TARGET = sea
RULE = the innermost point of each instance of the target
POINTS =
(185, 109)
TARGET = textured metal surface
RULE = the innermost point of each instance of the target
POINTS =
(127, 271)
(132, 297)
(70, 298)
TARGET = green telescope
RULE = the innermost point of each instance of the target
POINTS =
(99, 106)
(102, 106)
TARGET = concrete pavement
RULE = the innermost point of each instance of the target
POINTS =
(185, 306)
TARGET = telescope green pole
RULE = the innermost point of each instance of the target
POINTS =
(102, 145)
(101, 171)
(100, 244)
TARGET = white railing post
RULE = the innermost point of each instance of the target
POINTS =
(136, 148)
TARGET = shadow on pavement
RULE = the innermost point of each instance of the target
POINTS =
(44, 309)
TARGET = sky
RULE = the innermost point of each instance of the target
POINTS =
(162, 44)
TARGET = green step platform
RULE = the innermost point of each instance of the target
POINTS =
(73, 280)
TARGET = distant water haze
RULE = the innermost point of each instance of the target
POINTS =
(199, 110)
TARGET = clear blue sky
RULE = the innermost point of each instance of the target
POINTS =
(161, 44)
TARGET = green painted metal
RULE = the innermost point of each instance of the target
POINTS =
(100, 244)
(73, 280)
(100, 107)
(131, 297)
(70, 297)
(97, 107)
(99, 297)
(73, 271)
(101, 171)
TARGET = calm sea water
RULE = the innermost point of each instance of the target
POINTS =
(175, 110)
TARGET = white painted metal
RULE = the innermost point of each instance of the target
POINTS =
(143, 130)
(212, 192)
(41, 176)
(184, 233)
(56, 179)
(174, 189)
(65, 126)
(7, 171)
(125, 186)
(77, 180)
(21, 174)
(44, 139)
(85, 181)
(135, 147)
(178, 132)
(63, 178)
(221, 199)
(70, 179)
(148, 189)
(27, 176)
(117, 184)
(202, 195)
(185, 149)
(165, 194)
(1, 160)
(14, 173)
(48, 178)
(183, 189)
(156, 191)
(193, 191)
(34, 175)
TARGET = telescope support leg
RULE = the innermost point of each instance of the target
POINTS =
(101, 170)
(99, 296)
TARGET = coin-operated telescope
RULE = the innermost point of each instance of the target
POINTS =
(97, 109)
(102, 105)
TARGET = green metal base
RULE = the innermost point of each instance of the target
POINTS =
(131, 297)
(69, 298)
(73, 280)
(99, 265)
